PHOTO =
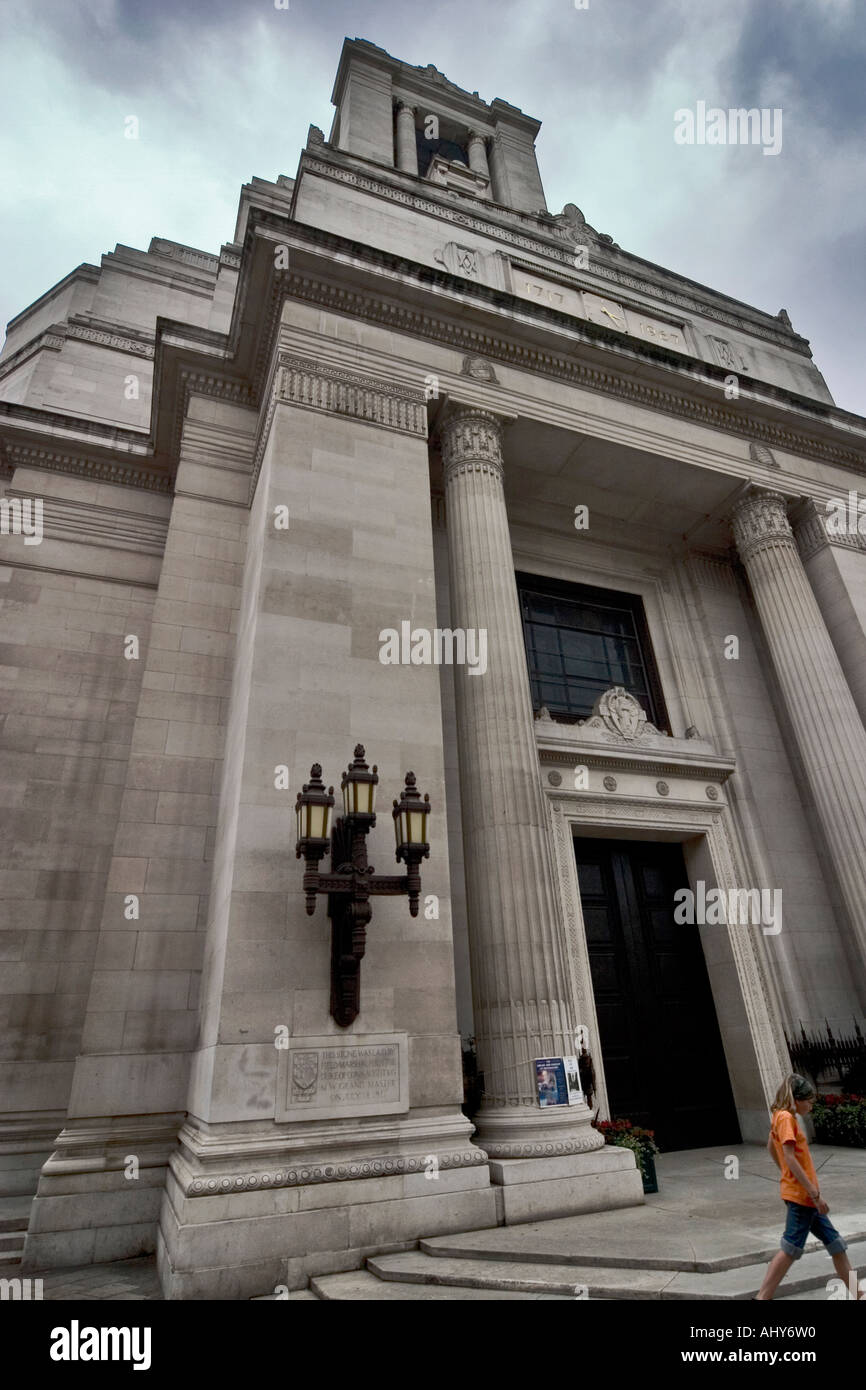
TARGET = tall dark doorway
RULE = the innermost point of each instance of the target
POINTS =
(663, 1058)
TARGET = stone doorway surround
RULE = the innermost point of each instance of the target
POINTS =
(615, 775)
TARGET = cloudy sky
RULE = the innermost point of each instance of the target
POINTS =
(224, 89)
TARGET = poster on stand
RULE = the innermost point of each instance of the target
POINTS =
(550, 1080)
(572, 1081)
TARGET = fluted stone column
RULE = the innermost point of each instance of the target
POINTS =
(521, 983)
(478, 154)
(826, 723)
(407, 148)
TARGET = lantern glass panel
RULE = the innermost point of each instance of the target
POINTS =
(416, 827)
(318, 822)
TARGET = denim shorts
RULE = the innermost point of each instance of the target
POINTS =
(803, 1221)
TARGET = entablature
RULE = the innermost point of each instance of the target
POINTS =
(617, 751)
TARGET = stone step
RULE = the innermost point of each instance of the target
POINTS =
(302, 1295)
(813, 1271)
(635, 1238)
(361, 1284)
(13, 1241)
(14, 1213)
(10, 1258)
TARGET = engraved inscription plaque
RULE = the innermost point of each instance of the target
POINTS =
(357, 1074)
(607, 312)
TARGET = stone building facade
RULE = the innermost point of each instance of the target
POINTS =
(407, 397)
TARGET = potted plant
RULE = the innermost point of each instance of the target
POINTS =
(641, 1142)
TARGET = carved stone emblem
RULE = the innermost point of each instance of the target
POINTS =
(733, 359)
(305, 1075)
(478, 368)
(459, 260)
(610, 784)
(620, 713)
(759, 453)
(573, 219)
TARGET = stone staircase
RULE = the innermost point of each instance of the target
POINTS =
(14, 1216)
(640, 1253)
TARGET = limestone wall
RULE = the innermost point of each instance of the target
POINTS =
(68, 698)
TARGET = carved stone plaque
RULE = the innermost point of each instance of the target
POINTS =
(606, 312)
(354, 1074)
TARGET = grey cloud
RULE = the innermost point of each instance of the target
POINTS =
(822, 51)
(226, 89)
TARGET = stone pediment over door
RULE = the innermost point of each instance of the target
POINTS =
(617, 752)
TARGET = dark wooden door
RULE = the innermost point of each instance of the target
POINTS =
(660, 1041)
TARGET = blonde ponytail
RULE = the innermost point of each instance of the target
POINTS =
(794, 1087)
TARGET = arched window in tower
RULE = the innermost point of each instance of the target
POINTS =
(446, 147)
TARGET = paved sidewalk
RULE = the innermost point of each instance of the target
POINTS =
(698, 1212)
(123, 1279)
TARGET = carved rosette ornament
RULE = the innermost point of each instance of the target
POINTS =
(760, 522)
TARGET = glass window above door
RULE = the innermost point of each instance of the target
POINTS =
(580, 641)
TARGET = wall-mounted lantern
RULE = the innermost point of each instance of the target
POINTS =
(351, 881)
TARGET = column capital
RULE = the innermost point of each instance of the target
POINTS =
(760, 520)
(472, 441)
(406, 106)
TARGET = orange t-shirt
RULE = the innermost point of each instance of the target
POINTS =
(786, 1130)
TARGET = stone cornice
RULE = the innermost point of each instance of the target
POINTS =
(319, 386)
(187, 255)
(547, 241)
(811, 534)
(618, 735)
(506, 349)
(495, 221)
(312, 385)
(201, 383)
(90, 524)
(96, 470)
(115, 336)
(617, 758)
(49, 340)
(224, 359)
(118, 337)
(85, 271)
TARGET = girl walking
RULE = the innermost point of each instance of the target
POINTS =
(807, 1210)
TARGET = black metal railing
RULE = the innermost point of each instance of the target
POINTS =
(836, 1060)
